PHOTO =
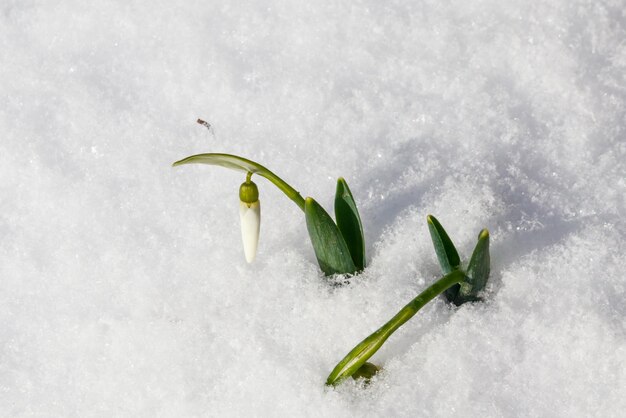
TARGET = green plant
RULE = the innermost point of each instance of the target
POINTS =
(339, 247)
(460, 287)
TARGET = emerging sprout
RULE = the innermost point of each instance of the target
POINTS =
(340, 249)
(466, 286)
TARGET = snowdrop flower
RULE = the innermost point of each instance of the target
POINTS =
(250, 215)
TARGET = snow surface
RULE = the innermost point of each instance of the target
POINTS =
(123, 287)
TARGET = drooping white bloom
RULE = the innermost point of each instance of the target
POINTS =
(250, 215)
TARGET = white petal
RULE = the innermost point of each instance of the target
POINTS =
(250, 215)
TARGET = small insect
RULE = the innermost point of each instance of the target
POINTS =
(207, 125)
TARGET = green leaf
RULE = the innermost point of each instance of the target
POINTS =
(349, 223)
(477, 271)
(330, 248)
(242, 164)
(446, 252)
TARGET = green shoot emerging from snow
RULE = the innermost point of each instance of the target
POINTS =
(339, 247)
(466, 284)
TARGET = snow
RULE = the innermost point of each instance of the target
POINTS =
(123, 286)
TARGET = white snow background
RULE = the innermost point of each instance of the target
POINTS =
(123, 287)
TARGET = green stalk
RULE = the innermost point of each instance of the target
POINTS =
(331, 249)
(239, 163)
(366, 348)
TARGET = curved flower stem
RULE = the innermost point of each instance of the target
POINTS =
(366, 348)
(239, 163)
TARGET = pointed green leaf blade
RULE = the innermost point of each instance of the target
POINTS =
(349, 223)
(446, 252)
(477, 271)
(330, 248)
